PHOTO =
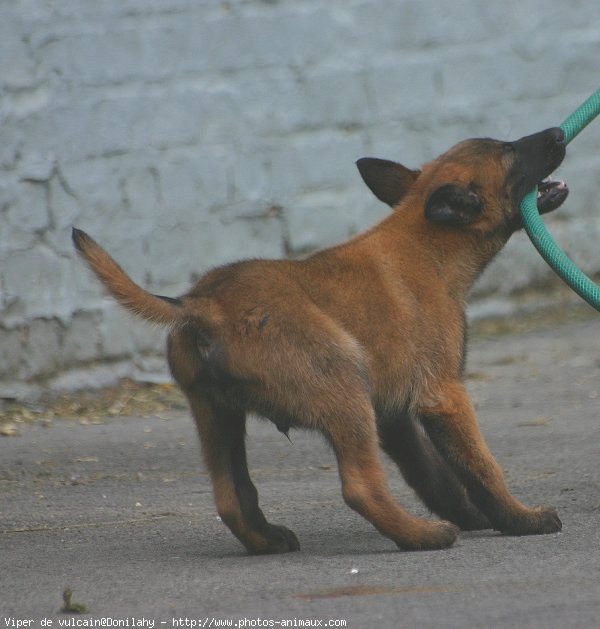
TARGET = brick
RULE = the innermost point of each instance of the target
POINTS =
(310, 161)
(276, 101)
(192, 182)
(19, 66)
(402, 93)
(11, 352)
(114, 328)
(282, 37)
(39, 283)
(314, 222)
(42, 350)
(81, 339)
(141, 190)
(96, 184)
(8, 192)
(182, 250)
(335, 98)
(580, 70)
(31, 212)
(175, 48)
(37, 167)
(206, 112)
(11, 139)
(188, 252)
(64, 210)
(251, 175)
(96, 56)
(411, 144)
(249, 238)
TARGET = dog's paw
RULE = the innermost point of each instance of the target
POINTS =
(431, 536)
(539, 521)
(548, 519)
(279, 539)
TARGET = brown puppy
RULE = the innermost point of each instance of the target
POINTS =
(364, 342)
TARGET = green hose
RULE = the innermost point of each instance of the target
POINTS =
(535, 228)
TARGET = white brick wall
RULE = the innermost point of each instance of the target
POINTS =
(186, 133)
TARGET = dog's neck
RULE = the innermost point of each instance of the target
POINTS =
(452, 256)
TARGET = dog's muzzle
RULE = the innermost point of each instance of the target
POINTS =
(536, 157)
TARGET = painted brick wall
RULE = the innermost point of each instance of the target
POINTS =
(187, 133)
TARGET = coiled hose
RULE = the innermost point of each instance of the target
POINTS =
(534, 226)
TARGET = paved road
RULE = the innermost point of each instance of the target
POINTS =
(122, 514)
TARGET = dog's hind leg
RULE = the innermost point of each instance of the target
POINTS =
(222, 436)
(365, 489)
(452, 428)
(423, 468)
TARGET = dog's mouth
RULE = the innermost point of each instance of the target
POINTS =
(551, 194)
(537, 156)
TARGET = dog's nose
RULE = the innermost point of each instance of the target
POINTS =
(542, 146)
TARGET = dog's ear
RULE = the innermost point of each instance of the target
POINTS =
(387, 180)
(453, 205)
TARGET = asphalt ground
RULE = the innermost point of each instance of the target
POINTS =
(121, 513)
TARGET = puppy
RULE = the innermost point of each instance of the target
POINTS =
(364, 342)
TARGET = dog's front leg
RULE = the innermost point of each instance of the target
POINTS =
(365, 489)
(452, 427)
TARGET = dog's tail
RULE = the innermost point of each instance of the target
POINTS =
(154, 308)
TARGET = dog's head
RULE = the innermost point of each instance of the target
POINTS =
(476, 185)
